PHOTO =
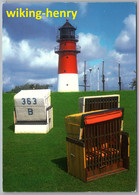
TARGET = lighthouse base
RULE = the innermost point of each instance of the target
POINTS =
(68, 82)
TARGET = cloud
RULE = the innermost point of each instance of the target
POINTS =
(36, 57)
(127, 66)
(47, 20)
(25, 52)
(126, 41)
(27, 28)
(43, 81)
(90, 46)
(7, 46)
(127, 59)
(44, 58)
(83, 8)
(6, 80)
(23, 62)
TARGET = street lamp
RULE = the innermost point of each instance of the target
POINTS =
(90, 69)
(98, 79)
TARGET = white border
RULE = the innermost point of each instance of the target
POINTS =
(1, 119)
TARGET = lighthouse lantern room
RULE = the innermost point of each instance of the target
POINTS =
(67, 65)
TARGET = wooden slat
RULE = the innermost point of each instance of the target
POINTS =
(93, 145)
(98, 148)
(76, 160)
(116, 131)
(100, 133)
(95, 141)
(14, 116)
(119, 138)
(108, 126)
(105, 140)
(67, 143)
(101, 102)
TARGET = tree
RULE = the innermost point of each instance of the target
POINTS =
(133, 84)
(30, 86)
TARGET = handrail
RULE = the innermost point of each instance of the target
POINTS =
(57, 49)
(67, 37)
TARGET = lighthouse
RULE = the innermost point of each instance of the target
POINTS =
(67, 65)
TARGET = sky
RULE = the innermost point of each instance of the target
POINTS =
(106, 31)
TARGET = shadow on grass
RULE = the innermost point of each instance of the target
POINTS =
(11, 127)
(61, 163)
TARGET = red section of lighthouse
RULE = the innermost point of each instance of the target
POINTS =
(67, 66)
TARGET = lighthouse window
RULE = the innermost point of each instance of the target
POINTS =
(72, 33)
(66, 84)
(67, 57)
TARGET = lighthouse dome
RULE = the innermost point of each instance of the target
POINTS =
(67, 31)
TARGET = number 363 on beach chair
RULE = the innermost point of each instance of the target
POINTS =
(33, 111)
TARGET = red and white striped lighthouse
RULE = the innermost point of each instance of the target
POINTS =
(67, 66)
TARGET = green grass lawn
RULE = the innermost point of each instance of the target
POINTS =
(37, 163)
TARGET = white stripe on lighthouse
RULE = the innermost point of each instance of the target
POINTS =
(68, 82)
